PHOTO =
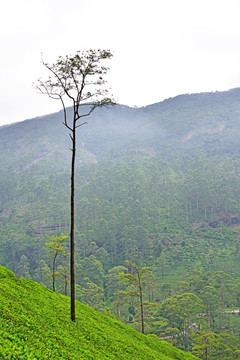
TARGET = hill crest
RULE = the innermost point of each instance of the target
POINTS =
(184, 125)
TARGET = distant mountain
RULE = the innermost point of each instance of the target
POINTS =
(178, 126)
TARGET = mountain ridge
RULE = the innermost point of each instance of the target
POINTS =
(182, 124)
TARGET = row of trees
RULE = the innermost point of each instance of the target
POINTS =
(122, 213)
(194, 190)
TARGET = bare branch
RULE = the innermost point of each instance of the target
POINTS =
(62, 81)
(84, 123)
(65, 114)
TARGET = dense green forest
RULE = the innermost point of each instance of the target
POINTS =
(158, 186)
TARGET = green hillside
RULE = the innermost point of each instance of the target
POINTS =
(35, 324)
(158, 186)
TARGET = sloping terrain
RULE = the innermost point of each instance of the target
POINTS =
(35, 324)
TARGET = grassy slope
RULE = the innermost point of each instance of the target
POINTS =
(35, 324)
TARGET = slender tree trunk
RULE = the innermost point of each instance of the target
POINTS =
(141, 305)
(53, 272)
(72, 224)
(141, 301)
(65, 287)
(118, 310)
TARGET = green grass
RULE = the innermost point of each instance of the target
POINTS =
(35, 324)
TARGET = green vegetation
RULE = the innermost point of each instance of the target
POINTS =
(34, 324)
(157, 186)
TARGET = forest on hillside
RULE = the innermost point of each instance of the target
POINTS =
(166, 197)
(181, 220)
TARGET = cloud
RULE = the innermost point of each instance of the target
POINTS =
(161, 48)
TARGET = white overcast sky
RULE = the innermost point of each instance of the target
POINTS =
(162, 48)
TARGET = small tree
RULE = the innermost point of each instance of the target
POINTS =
(43, 273)
(63, 272)
(206, 345)
(56, 246)
(78, 79)
(136, 279)
(92, 294)
(183, 312)
(23, 267)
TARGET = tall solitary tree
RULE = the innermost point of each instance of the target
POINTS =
(80, 80)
